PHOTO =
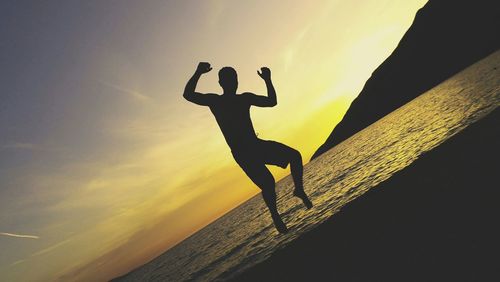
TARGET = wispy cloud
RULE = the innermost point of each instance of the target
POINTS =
(50, 248)
(132, 93)
(17, 262)
(20, 145)
(41, 252)
(19, 235)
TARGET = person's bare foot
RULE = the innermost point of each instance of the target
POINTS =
(301, 194)
(280, 225)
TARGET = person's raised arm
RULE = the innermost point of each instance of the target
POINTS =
(265, 74)
(263, 101)
(190, 93)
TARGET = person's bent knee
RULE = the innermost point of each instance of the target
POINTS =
(295, 156)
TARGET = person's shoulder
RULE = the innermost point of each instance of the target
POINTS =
(212, 96)
(247, 95)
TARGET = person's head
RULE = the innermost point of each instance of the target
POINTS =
(228, 80)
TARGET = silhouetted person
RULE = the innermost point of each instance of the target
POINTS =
(232, 112)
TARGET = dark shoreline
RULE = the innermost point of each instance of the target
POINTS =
(436, 220)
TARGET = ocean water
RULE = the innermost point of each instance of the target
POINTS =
(246, 236)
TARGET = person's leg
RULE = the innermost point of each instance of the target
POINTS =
(269, 196)
(296, 169)
(282, 155)
(263, 178)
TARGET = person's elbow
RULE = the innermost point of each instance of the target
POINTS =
(272, 102)
(268, 104)
(187, 95)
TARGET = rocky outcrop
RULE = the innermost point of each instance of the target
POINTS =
(445, 37)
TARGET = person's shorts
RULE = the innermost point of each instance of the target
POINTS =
(263, 152)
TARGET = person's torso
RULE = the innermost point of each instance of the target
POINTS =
(233, 116)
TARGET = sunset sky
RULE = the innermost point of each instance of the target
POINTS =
(103, 164)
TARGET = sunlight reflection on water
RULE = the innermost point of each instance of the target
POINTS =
(246, 236)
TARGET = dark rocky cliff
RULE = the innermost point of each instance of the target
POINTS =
(445, 37)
